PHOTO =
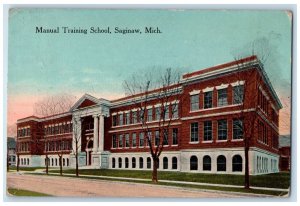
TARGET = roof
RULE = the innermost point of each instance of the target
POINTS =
(220, 66)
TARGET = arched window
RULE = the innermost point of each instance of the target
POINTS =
(165, 163)
(64, 162)
(141, 163)
(67, 161)
(133, 162)
(221, 163)
(126, 162)
(21, 161)
(113, 162)
(27, 161)
(120, 162)
(148, 163)
(206, 163)
(237, 163)
(174, 163)
(194, 163)
(52, 161)
(55, 161)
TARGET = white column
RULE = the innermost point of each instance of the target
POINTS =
(95, 142)
(101, 133)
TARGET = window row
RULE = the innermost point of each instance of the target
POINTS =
(58, 145)
(55, 162)
(23, 132)
(263, 132)
(222, 130)
(148, 163)
(265, 106)
(222, 97)
(148, 115)
(262, 164)
(142, 139)
(24, 161)
(237, 163)
(263, 102)
(23, 147)
(58, 129)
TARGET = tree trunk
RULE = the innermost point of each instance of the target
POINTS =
(7, 161)
(154, 171)
(247, 178)
(47, 164)
(18, 162)
(76, 157)
(60, 165)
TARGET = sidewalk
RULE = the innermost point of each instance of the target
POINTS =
(164, 181)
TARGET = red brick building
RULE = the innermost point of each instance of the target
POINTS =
(217, 110)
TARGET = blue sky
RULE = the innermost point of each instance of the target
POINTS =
(46, 64)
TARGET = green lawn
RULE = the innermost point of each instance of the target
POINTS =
(277, 180)
(25, 168)
(17, 192)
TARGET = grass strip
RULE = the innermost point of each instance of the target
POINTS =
(19, 192)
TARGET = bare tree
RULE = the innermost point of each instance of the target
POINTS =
(160, 87)
(77, 122)
(48, 107)
(261, 49)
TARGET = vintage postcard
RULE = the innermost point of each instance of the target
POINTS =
(149, 103)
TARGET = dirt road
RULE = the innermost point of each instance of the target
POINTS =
(79, 187)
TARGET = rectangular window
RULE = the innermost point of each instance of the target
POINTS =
(134, 117)
(237, 129)
(121, 119)
(114, 141)
(222, 129)
(126, 140)
(167, 115)
(149, 115)
(157, 113)
(222, 97)
(133, 139)
(156, 138)
(120, 141)
(175, 111)
(207, 136)
(194, 102)
(141, 139)
(127, 118)
(238, 94)
(114, 119)
(208, 99)
(175, 136)
(166, 137)
(194, 132)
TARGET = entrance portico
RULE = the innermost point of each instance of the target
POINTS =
(88, 116)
